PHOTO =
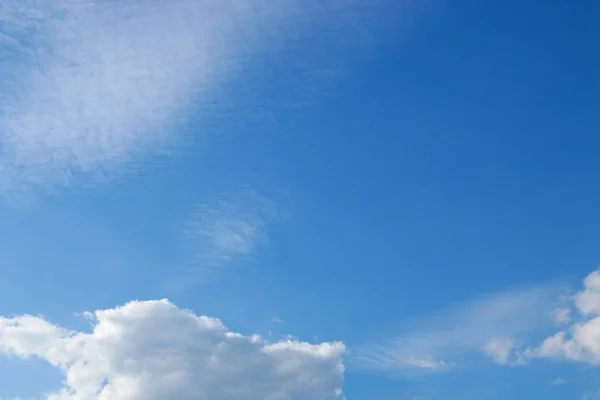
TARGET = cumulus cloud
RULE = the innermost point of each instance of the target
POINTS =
(90, 87)
(154, 350)
(468, 328)
(587, 301)
(579, 341)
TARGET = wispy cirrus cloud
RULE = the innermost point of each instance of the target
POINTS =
(559, 381)
(223, 232)
(92, 85)
(90, 88)
(504, 327)
(427, 364)
(490, 325)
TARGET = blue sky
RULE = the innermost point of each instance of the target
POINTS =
(392, 200)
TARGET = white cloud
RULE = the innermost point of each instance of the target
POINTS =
(559, 381)
(223, 232)
(467, 328)
(92, 87)
(504, 318)
(561, 315)
(98, 84)
(427, 364)
(500, 350)
(579, 341)
(154, 350)
(588, 300)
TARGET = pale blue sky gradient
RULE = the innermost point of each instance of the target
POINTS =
(413, 179)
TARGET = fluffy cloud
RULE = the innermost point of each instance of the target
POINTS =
(154, 350)
(579, 341)
(588, 300)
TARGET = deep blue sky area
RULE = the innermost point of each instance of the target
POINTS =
(418, 181)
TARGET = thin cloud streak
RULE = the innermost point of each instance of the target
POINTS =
(223, 233)
(443, 341)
